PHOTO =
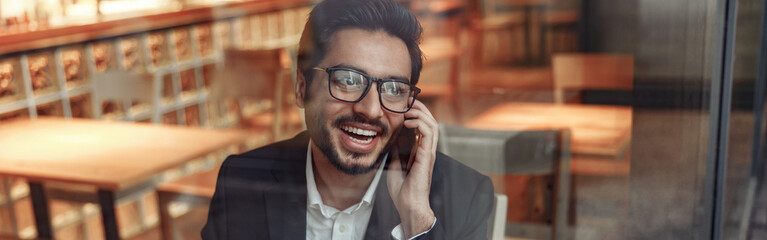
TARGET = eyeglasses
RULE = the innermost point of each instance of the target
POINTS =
(349, 85)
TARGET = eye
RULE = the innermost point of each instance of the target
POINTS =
(395, 88)
(347, 78)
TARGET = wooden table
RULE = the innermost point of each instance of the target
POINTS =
(113, 157)
(598, 132)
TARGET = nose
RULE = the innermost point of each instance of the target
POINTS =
(370, 106)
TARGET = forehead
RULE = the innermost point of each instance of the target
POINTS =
(376, 53)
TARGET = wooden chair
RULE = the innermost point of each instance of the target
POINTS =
(439, 79)
(195, 189)
(12, 190)
(506, 154)
(558, 32)
(121, 86)
(124, 86)
(261, 77)
(440, 76)
(591, 71)
(498, 36)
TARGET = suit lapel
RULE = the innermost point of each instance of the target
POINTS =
(384, 216)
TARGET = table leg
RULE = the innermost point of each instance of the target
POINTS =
(108, 214)
(40, 208)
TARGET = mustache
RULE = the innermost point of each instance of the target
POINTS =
(360, 119)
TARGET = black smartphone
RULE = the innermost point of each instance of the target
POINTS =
(407, 145)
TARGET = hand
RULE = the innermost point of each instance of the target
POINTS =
(410, 190)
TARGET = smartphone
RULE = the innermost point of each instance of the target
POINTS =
(407, 144)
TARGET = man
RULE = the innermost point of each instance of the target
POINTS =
(358, 64)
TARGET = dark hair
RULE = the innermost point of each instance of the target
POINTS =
(329, 16)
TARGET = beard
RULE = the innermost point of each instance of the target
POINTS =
(328, 148)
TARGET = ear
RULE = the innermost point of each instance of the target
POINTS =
(300, 88)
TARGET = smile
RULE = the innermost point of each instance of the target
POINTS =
(359, 135)
(359, 138)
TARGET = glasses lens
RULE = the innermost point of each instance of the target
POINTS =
(347, 85)
(396, 96)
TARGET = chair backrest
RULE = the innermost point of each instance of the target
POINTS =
(256, 76)
(497, 222)
(123, 85)
(251, 73)
(524, 152)
(591, 71)
(501, 152)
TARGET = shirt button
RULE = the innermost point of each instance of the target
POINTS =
(342, 228)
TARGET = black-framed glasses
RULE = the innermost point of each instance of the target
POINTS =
(349, 85)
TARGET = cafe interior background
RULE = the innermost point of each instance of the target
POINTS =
(595, 119)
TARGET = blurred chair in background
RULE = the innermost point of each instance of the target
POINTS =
(540, 159)
(498, 34)
(443, 24)
(559, 31)
(579, 72)
(258, 87)
(439, 81)
(189, 194)
(121, 86)
(12, 192)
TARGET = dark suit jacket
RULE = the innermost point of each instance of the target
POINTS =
(262, 194)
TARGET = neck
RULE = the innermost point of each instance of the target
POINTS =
(338, 189)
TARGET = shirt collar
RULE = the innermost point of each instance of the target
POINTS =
(314, 198)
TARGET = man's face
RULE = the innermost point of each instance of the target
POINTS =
(339, 129)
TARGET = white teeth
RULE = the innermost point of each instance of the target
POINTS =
(358, 131)
(370, 139)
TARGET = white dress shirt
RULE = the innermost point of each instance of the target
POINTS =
(325, 222)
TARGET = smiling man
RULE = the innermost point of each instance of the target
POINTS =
(358, 66)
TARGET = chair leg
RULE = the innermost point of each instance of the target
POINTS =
(166, 220)
(10, 203)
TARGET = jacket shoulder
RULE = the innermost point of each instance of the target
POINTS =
(287, 153)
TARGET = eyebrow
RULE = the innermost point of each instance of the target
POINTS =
(349, 66)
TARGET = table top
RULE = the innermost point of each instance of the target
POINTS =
(597, 130)
(108, 155)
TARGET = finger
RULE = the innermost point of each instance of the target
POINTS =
(427, 131)
(417, 114)
(419, 106)
(428, 128)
